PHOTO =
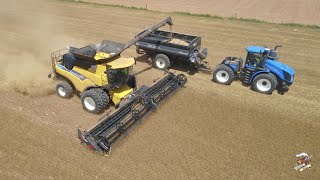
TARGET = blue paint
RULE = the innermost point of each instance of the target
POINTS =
(256, 49)
(279, 68)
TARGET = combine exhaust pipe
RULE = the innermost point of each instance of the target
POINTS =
(140, 103)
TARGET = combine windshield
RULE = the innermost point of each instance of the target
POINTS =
(118, 77)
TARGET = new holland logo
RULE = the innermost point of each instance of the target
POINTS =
(80, 76)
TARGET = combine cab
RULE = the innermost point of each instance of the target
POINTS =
(131, 110)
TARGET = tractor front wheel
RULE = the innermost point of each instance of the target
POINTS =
(265, 83)
(94, 100)
(223, 75)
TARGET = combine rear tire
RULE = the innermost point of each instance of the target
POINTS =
(161, 61)
(223, 75)
(94, 100)
(64, 89)
(264, 83)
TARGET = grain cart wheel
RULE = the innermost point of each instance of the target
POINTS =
(92, 101)
(223, 75)
(140, 51)
(64, 89)
(264, 83)
(161, 61)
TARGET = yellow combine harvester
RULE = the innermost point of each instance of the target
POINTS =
(80, 70)
(97, 72)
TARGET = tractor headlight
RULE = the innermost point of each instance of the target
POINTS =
(192, 59)
(287, 76)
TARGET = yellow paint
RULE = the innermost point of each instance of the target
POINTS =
(118, 94)
(79, 84)
(121, 63)
(101, 55)
(96, 76)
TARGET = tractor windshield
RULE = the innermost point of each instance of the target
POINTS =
(118, 77)
(255, 59)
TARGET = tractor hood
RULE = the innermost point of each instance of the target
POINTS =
(284, 71)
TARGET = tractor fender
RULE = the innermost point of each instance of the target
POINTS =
(257, 73)
(232, 63)
(224, 63)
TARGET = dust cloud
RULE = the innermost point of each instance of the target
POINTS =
(26, 43)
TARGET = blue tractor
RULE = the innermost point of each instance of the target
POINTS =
(261, 70)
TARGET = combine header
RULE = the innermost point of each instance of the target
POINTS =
(131, 110)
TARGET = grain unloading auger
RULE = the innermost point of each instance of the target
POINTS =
(131, 110)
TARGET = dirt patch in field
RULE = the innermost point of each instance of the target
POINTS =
(292, 11)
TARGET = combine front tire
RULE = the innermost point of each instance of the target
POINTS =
(223, 75)
(104, 97)
(161, 61)
(64, 89)
(264, 83)
(94, 100)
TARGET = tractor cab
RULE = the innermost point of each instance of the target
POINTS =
(258, 55)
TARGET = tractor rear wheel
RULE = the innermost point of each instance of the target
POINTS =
(265, 83)
(161, 61)
(64, 89)
(94, 100)
(223, 75)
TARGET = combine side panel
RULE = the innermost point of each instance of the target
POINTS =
(133, 109)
